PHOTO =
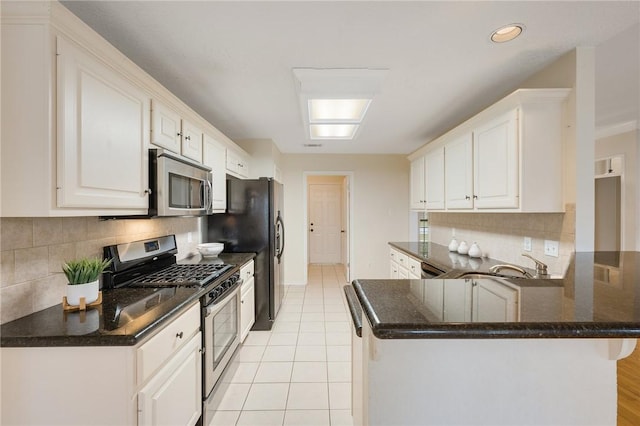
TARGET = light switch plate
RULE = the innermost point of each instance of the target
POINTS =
(526, 245)
(551, 248)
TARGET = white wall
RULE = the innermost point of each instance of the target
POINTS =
(380, 191)
(628, 146)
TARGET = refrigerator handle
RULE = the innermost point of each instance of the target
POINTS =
(279, 238)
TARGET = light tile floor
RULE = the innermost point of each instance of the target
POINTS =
(299, 373)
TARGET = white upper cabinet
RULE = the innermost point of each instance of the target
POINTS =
(82, 119)
(508, 158)
(102, 134)
(417, 198)
(495, 163)
(458, 168)
(434, 179)
(191, 141)
(165, 127)
(427, 181)
(214, 155)
(170, 131)
(237, 164)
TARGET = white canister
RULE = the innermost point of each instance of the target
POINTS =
(474, 250)
(463, 248)
(453, 245)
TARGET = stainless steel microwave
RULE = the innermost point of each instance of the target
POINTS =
(178, 186)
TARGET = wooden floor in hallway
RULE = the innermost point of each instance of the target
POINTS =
(629, 390)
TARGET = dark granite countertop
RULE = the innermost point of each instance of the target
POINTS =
(354, 309)
(440, 257)
(599, 297)
(105, 324)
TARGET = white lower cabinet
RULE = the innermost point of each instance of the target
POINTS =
(494, 302)
(403, 266)
(158, 382)
(174, 395)
(247, 300)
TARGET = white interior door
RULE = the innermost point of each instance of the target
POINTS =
(325, 223)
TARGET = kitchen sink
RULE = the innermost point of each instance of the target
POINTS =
(458, 274)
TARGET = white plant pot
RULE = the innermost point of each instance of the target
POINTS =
(89, 291)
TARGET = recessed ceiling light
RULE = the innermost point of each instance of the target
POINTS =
(507, 33)
(334, 101)
(340, 110)
(332, 131)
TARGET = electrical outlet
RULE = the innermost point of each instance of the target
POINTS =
(526, 246)
(551, 248)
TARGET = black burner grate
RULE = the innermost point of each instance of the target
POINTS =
(183, 275)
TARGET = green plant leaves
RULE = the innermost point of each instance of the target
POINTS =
(84, 271)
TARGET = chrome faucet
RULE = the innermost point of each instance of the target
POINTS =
(497, 268)
(541, 268)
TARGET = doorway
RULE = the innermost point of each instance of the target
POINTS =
(328, 230)
(609, 204)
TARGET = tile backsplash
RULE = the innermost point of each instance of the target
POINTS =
(500, 235)
(32, 251)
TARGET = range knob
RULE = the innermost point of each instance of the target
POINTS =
(214, 293)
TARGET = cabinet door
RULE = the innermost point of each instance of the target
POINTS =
(417, 200)
(103, 134)
(494, 302)
(393, 271)
(191, 141)
(174, 395)
(214, 156)
(403, 273)
(434, 297)
(495, 164)
(434, 179)
(457, 295)
(247, 308)
(165, 127)
(458, 159)
(233, 162)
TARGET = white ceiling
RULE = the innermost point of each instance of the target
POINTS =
(232, 61)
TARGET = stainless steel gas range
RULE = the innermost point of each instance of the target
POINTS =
(152, 264)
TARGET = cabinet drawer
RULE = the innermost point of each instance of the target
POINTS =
(415, 267)
(246, 272)
(402, 259)
(160, 347)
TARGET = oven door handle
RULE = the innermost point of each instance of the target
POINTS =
(214, 307)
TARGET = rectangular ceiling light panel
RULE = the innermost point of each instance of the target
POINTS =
(337, 110)
(332, 131)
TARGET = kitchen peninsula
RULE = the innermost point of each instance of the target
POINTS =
(443, 352)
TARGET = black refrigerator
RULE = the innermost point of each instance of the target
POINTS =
(254, 223)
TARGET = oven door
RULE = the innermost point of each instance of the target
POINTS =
(221, 329)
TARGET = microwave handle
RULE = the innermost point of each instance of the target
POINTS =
(209, 198)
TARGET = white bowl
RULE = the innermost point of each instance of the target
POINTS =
(210, 249)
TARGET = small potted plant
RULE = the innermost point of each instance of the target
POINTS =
(83, 275)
